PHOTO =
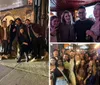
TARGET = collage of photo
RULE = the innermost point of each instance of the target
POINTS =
(49, 42)
(24, 48)
(74, 42)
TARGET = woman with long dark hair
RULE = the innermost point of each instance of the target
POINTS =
(81, 73)
(60, 74)
(91, 74)
(24, 42)
(54, 27)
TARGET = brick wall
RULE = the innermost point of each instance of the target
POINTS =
(23, 13)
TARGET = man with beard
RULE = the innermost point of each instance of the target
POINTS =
(82, 25)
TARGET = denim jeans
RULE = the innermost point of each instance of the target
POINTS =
(61, 82)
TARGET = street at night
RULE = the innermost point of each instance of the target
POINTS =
(32, 73)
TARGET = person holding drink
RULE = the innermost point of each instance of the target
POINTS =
(94, 32)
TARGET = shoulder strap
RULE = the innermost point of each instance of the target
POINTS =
(63, 75)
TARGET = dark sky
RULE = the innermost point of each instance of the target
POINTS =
(11, 3)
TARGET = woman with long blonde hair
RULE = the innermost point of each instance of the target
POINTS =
(94, 32)
(66, 27)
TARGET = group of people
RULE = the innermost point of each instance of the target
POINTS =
(71, 67)
(82, 30)
(29, 38)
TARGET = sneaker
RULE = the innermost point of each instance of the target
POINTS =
(42, 57)
(0, 57)
(18, 61)
(29, 57)
(3, 55)
(33, 60)
(27, 60)
(6, 56)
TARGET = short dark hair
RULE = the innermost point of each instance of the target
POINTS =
(53, 17)
(55, 50)
(81, 7)
(27, 20)
(66, 54)
(61, 61)
(18, 19)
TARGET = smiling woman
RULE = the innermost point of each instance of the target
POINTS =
(78, 21)
(66, 27)
(54, 27)
(82, 64)
(95, 30)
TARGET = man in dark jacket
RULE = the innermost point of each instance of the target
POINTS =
(82, 25)
(19, 25)
(12, 30)
(36, 36)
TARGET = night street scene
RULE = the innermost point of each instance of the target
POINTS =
(24, 52)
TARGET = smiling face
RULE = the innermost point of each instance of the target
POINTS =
(91, 63)
(52, 61)
(18, 22)
(97, 11)
(77, 57)
(55, 22)
(27, 22)
(55, 53)
(65, 57)
(60, 63)
(82, 14)
(67, 17)
(82, 62)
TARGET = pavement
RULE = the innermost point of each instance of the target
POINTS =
(31, 73)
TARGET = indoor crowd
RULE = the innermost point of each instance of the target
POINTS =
(27, 37)
(63, 29)
(71, 67)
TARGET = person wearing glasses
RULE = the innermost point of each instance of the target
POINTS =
(82, 25)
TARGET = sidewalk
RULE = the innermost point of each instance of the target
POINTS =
(31, 73)
(39, 67)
